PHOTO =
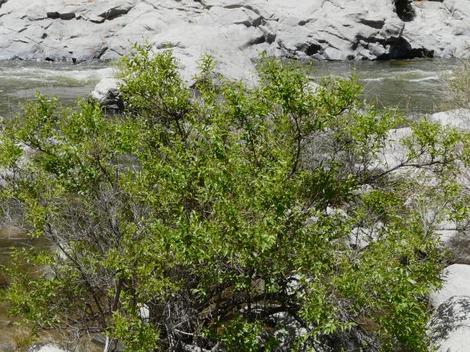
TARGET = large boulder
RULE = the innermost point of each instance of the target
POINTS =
(394, 152)
(458, 243)
(457, 235)
(107, 93)
(458, 118)
(449, 327)
(456, 283)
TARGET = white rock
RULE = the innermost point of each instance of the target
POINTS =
(361, 237)
(447, 231)
(106, 92)
(449, 327)
(394, 152)
(104, 87)
(456, 283)
(458, 118)
(234, 31)
(46, 348)
(457, 340)
(144, 312)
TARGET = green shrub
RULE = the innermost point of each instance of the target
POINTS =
(227, 212)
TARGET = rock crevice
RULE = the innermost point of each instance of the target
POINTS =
(405, 10)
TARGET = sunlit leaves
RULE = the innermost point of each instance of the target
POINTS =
(226, 211)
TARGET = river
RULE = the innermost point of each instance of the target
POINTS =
(415, 86)
(19, 81)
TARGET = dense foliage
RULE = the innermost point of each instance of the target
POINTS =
(229, 217)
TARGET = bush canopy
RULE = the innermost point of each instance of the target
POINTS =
(228, 217)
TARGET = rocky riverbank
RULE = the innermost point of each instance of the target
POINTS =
(234, 31)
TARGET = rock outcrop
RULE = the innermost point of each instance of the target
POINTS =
(456, 283)
(234, 31)
(450, 325)
(458, 118)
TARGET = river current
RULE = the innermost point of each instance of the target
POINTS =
(415, 86)
(20, 80)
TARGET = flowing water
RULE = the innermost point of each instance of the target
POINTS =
(416, 87)
(19, 82)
